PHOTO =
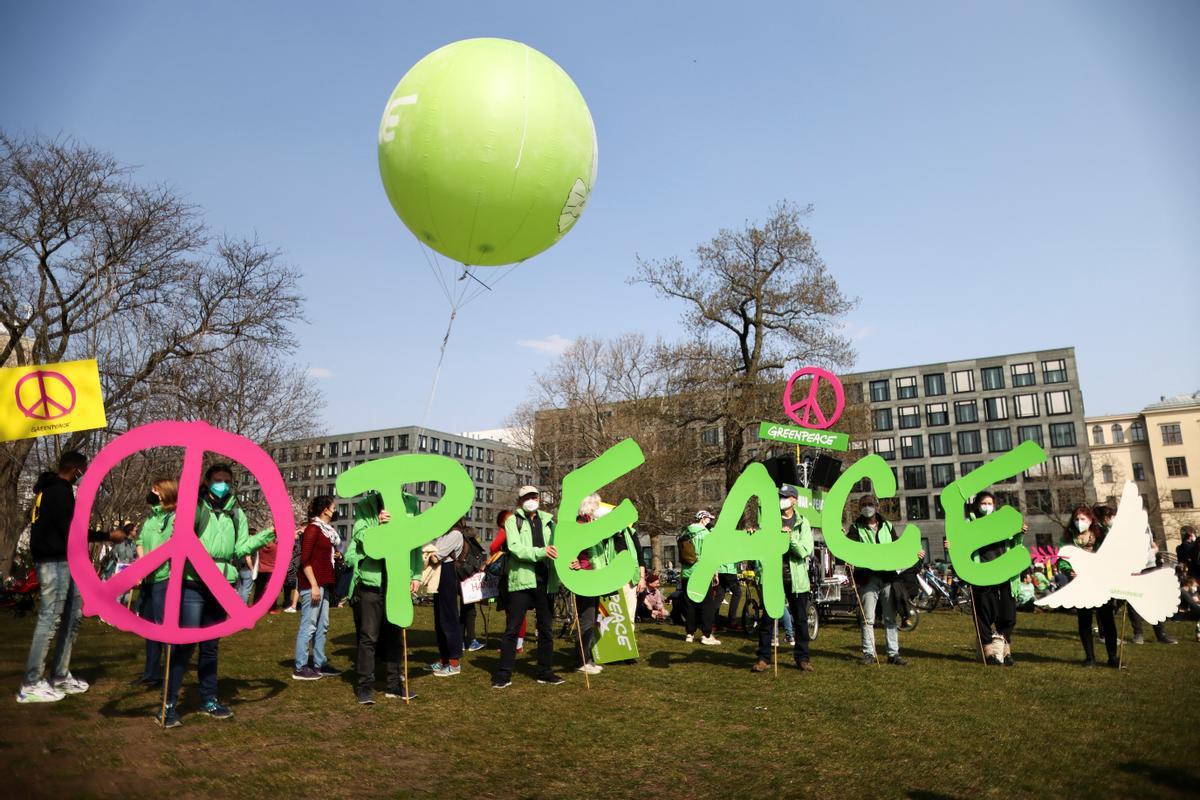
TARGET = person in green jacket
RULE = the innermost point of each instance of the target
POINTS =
(705, 612)
(156, 529)
(795, 583)
(597, 556)
(222, 529)
(875, 588)
(532, 583)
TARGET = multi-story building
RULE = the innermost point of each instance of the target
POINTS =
(937, 422)
(1159, 449)
(310, 468)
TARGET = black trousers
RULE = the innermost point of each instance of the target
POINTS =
(467, 613)
(1107, 622)
(798, 605)
(729, 583)
(519, 603)
(375, 633)
(445, 615)
(705, 611)
(260, 586)
(996, 609)
(588, 608)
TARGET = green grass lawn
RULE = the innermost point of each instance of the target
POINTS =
(687, 721)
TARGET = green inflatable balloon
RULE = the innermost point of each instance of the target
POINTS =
(487, 151)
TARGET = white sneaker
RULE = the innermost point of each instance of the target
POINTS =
(40, 692)
(710, 640)
(70, 685)
(689, 638)
(591, 669)
(289, 610)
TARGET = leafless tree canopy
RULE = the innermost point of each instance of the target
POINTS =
(184, 324)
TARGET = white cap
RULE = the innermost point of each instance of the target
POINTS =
(704, 515)
(524, 490)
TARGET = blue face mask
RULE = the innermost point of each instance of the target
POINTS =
(219, 489)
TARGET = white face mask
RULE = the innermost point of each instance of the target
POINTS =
(986, 509)
(867, 511)
(530, 505)
(1082, 525)
(602, 511)
(785, 503)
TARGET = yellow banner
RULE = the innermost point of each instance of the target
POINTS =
(45, 399)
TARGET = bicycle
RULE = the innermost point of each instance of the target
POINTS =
(935, 592)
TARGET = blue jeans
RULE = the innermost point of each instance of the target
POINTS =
(785, 622)
(314, 624)
(57, 621)
(152, 600)
(197, 608)
(245, 584)
(876, 594)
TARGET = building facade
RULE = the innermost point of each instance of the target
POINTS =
(310, 468)
(937, 422)
(1159, 449)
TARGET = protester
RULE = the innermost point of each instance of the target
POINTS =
(1085, 533)
(446, 627)
(317, 545)
(245, 579)
(652, 599)
(1026, 592)
(795, 584)
(221, 527)
(875, 589)
(703, 612)
(156, 529)
(1189, 597)
(728, 584)
(1188, 552)
(468, 612)
(497, 547)
(532, 583)
(626, 540)
(595, 557)
(368, 599)
(995, 605)
(61, 607)
(291, 582)
(1104, 516)
(265, 559)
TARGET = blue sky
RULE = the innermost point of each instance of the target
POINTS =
(987, 177)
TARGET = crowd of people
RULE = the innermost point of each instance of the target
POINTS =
(325, 571)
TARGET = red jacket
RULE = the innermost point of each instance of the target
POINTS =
(316, 551)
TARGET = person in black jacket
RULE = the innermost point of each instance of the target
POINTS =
(61, 606)
(995, 606)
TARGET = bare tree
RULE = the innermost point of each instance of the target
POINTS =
(756, 301)
(94, 265)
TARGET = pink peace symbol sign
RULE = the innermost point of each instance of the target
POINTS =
(808, 412)
(183, 547)
(55, 395)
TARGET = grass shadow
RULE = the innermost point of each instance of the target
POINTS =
(1177, 778)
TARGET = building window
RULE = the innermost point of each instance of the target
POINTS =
(1066, 466)
(910, 416)
(1026, 405)
(1106, 473)
(1030, 433)
(1054, 371)
(993, 377)
(458, 449)
(490, 494)
(1118, 433)
(1181, 498)
(910, 447)
(333, 449)
(491, 476)
(1022, 375)
(917, 507)
(404, 441)
(943, 475)
(1012, 499)
(389, 444)
(435, 444)
(964, 381)
(375, 444)
(1058, 402)
(491, 456)
(1097, 434)
(1039, 500)
(422, 443)
(999, 440)
(967, 467)
(966, 412)
(421, 488)
(1062, 434)
(470, 452)
(1139, 472)
(995, 408)
(1177, 467)
(479, 473)
(361, 447)
(914, 478)
(968, 442)
(881, 419)
(879, 391)
(1137, 431)
(333, 470)
(937, 414)
(935, 385)
(885, 448)
(711, 437)
(1171, 433)
(906, 388)
(940, 444)
(346, 447)
(446, 449)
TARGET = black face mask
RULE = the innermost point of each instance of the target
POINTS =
(152, 499)
(336, 516)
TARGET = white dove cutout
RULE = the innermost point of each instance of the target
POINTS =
(1115, 569)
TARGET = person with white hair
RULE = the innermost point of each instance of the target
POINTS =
(597, 556)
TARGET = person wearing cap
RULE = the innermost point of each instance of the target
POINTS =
(532, 583)
(705, 612)
(795, 583)
(875, 589)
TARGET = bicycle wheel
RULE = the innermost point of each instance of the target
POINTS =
(814, 621)
(751, 615)
(925, 602)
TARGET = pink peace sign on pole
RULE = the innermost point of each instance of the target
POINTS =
(183, 547)
(808, 412)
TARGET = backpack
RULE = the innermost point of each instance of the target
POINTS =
(687, 549)
(204, 512)
(471, 558)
